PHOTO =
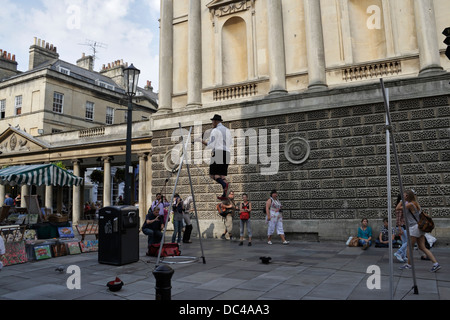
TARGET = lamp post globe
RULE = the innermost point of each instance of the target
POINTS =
(131, 75)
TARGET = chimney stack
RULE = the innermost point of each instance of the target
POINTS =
(115, 71)
(41, 52)
(149, 86)
(86, 62)
(8, 64)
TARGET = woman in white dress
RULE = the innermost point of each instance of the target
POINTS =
(274, 217)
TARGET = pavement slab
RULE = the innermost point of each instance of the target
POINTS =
(298, 271)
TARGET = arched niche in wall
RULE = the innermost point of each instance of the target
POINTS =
(234, 51)
(368, 30)
(235, 42)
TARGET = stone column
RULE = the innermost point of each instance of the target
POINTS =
(76, 199)
(277, 59)
(23, 193)
(106, 181)
(49, 196)
(315, 45)
(142, 186)
(148, 180)
(427, 37)
(166, 57)
(194, 55)
(2, 193)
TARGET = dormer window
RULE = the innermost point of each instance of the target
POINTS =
(64, 70)
(104, 85)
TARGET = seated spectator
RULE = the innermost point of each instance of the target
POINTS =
(153, 226)
(365, 234)
(383, 238)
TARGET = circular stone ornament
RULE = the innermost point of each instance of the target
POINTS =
(297, 150)
(172, 159)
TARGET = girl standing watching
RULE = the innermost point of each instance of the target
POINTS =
(274, 217)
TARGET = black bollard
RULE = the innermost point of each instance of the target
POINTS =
(163, 275)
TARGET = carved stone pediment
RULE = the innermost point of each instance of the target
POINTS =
(222, 8)
(14, 140)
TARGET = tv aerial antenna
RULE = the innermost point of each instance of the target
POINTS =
(94, 45)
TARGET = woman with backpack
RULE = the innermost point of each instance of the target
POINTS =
(245, 211)
(416, 235)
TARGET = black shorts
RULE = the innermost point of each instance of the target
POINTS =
(219, 163)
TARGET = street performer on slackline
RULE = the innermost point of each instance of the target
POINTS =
(219, 142)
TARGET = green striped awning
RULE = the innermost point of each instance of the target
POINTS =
(39, 174)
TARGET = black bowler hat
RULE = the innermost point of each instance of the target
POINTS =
(217, 118)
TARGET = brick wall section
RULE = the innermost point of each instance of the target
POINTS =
(345, 175)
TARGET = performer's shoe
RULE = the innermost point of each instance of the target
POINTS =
(223, 197)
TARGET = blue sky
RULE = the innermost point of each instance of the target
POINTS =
(129, 30)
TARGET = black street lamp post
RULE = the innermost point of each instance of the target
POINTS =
(131, 75)
(446, 33)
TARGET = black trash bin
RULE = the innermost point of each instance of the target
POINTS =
(118, 235)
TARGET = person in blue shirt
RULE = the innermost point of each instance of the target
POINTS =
(9, 201)
(365, 234)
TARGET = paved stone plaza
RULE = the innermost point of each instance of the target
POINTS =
(300, 270)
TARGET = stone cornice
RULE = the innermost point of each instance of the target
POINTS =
(333, 97)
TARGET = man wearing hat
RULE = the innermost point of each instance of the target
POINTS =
(219, 142)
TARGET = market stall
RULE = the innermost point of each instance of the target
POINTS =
(33, 223)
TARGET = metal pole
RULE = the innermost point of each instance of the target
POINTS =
(389, 202)
(192, 192)
(171, 199)
(400, 183)
(128, 166)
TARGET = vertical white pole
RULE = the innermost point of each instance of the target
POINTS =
(389, 200)
(400, 183)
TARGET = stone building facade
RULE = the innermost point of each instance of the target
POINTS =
(57, 111)
(55, 96)
(303, 77)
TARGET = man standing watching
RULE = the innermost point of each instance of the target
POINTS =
(9, 201)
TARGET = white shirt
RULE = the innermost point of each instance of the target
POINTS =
(220, 138)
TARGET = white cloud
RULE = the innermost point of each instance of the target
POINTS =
(154, 5)
(128, 28)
